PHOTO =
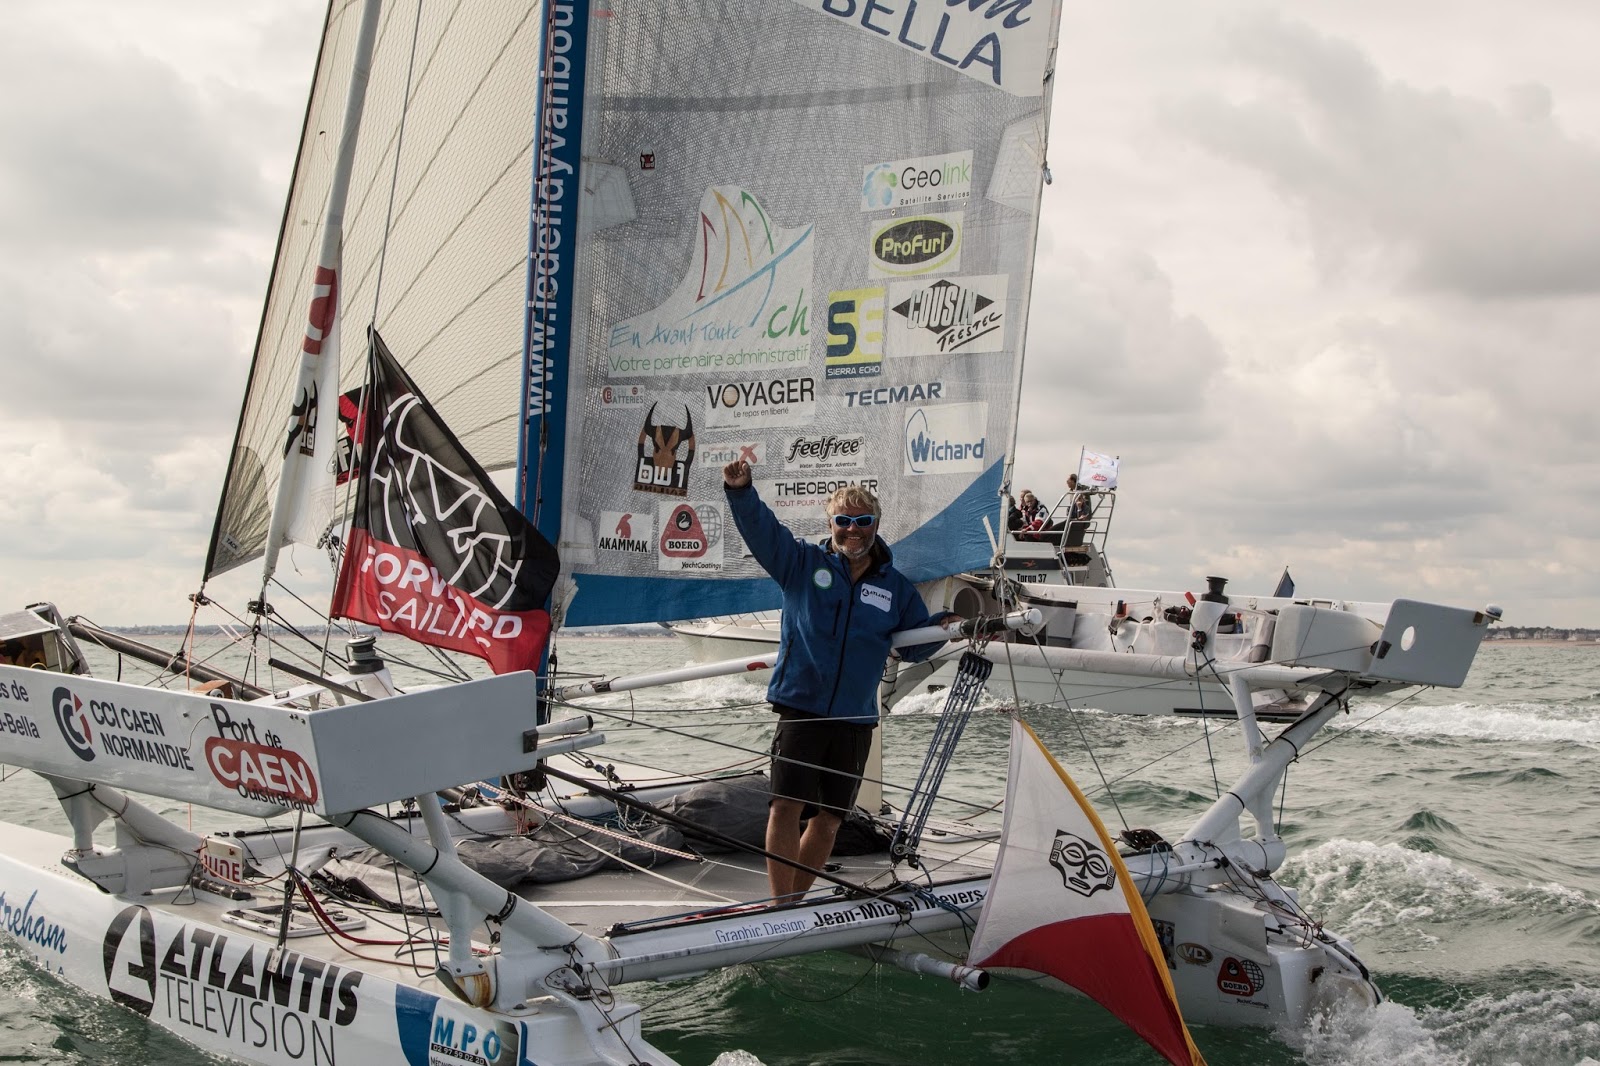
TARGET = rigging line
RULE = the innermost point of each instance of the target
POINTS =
(394, 173)
(1205, 722)
(1356, 725)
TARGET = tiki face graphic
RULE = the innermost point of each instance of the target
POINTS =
(1085, 867)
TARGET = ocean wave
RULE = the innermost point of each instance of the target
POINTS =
(1559, 1027)
(1361, 888)
(1529, 722)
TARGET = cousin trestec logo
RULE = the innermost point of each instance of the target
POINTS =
(948, 315)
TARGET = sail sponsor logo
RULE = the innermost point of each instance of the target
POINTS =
(621, 396)
(628, 532)
(783, 491)
(1194, 954)
(929, 179)
(825, 451)
(921, 392)
(1167, 935)
(744, 451)
(855, 334)
(32, 926)
(1083, 864)
(1241, 979)
(946, 440)
(744, 303)
(258, 767)
(996, 42)
(926, 244)
(771, 402)
(666, 454)
(691, 537)
(435, 1031)
(106, 727)
(19, 725)
(949, 315)
(196, 978)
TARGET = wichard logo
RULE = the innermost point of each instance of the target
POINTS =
(1084, 866)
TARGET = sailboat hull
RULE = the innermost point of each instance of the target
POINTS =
(173, 959)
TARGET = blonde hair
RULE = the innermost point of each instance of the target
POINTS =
(858, 496)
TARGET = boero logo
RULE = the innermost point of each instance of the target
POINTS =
(915, 245)
(683, 537)
(73, 723)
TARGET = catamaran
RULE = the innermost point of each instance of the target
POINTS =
(603, 246)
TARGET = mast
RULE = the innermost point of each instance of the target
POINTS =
(309, 446)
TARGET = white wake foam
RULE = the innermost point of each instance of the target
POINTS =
(1528, 722)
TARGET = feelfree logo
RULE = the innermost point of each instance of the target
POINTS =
(73, 723)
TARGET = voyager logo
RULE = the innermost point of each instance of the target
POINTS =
(926, 244)
(255, 770)
(929, 179)
(950, 315)
(946, 440)
(774, 402)
(827, 452)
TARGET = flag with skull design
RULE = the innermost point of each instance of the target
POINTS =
(1061, 903)
(436, 552)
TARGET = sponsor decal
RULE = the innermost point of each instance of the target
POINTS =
(925, 244)
(1167, 934)
(782, 490)
(620, 396)
(948, 316)
(18, 725)
(32, 926)
(946, 440)
(855, 334)
(347, 442)
(770, 402)
(922, 392)
(822, 578)
(928, 179)
(227, 987)
(1083, 864)
(742, 305)
(222, 860)
(882, 599)
(691, 537)
(442, 1032)
(628, 532)
(1000, 43)
(747, 451)
(788, 927)
(647, 160)
(1194, 954)
(666, 454)
(869, 910)
(122, 732)
(1240, 978)
(825, 451)
(258, 767)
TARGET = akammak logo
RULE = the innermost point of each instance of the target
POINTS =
(926, 244)
(73, 723)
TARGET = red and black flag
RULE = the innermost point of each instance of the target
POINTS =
(436, 553)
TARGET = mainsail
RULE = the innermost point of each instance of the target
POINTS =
(437, 212)
(798, 233)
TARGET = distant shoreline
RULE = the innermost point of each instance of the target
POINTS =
(1543, 642)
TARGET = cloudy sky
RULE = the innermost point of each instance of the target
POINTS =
(1325, 274)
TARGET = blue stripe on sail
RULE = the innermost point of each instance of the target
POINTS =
(951, 541)
(608, 600)
(553, 237)
(954, 539)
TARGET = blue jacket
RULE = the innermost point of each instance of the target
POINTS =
(835, 635)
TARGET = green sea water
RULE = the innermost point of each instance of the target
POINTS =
(1455, 837)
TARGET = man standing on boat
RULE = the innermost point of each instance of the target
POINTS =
(842, 599)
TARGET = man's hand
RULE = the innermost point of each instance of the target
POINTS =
(736, 475)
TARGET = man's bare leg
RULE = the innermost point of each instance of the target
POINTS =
(783, 838)
(815, 847)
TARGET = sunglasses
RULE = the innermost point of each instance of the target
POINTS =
(862, 521)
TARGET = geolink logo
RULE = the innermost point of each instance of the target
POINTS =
(1083, 864)
(73, 723)
(878, 188)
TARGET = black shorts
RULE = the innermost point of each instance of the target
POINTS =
(818, 760)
